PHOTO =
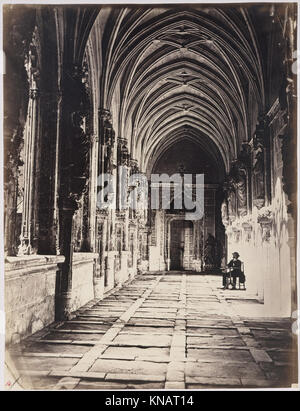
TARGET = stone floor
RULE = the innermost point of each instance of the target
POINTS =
(161, 331)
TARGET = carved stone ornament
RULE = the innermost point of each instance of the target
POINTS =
(123, 154)
(134, 166)
(239, 175)
(236, 234)
(247, 227)
(229, 189)
(265, 219)
(258, 172)
(106, 129)
(224, 213)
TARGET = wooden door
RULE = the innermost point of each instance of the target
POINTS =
(181, 247)
(176, 249)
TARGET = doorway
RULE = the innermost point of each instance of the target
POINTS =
(181, 247)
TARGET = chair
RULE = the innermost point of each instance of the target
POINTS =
(240, 280)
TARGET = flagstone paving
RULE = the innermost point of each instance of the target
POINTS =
(161, 331)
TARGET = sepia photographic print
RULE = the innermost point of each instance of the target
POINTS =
(150, 198)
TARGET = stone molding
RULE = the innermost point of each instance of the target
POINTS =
(19, 266)
(82, 258)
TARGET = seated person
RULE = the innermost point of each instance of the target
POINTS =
(235, 266)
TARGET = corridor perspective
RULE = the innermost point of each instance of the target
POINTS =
(171, 331)
(150, 196)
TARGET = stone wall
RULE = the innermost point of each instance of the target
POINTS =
(264, 235)
(82, 279)
(262, 240)
(30, 285)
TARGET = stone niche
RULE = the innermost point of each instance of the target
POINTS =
(30, 284)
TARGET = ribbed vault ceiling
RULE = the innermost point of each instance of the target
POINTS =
(181, 73)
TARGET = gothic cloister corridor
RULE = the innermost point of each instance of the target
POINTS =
(148, 149)
(164, 330)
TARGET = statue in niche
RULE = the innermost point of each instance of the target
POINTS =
(79, 159)
(210, 252)
(241, 190)
(109, 152)
(258, 169)
(124, 155)
(231, 197)
(108, 138)
(224, 212)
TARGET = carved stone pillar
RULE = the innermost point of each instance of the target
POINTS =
(123, 155)
(64, 297)
(106, 142)
(99, 272)
(123, 162)
(86, 219)
(18, 27)
(48, 239)
(29, 230)
(74, 161)
(93, 191)
(104, 274)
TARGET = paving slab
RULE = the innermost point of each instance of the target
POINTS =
(214, 381)
(161, 331)
(249, 370)
(137, 351)
(42, 363)
(126, 367)
(220, 355)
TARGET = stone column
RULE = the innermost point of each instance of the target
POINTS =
(20, 42)
(93, 188)
(48, 239)
(123, 161)
(29, 230)
(106, 165)
(29, 235)
(125, 251)
(99, 271)
(74, 170)
(64, 297)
